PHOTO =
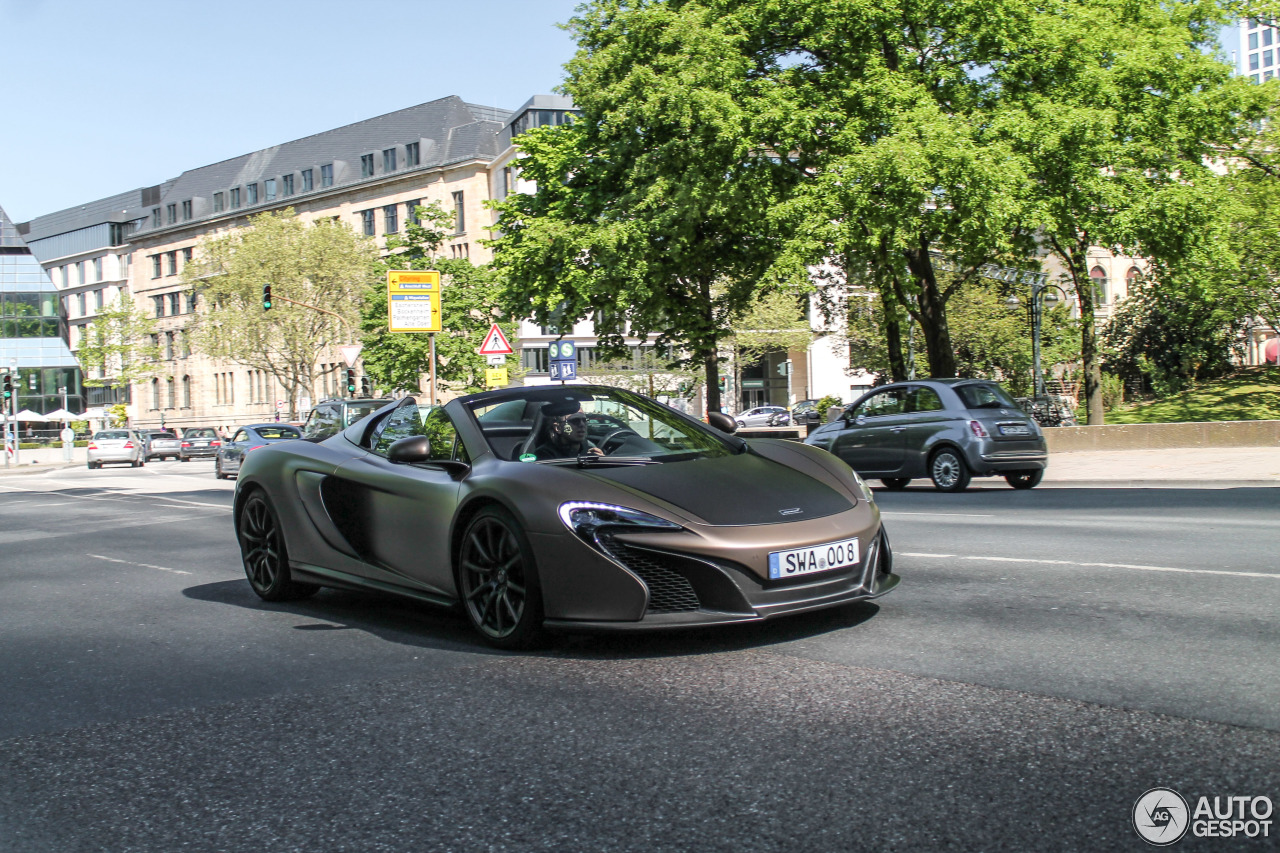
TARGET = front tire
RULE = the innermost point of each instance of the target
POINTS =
(217, 469)
(1025, 479)
(262, 549)
(895, 484)
(948, 471)
(498, 581)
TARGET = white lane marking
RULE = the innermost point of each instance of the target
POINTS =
(117, 497)
(142, 565)
(1098, 565)
(956, 514)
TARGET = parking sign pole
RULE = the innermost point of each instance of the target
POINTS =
(431, 339)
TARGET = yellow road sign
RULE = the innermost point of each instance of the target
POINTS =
(413, 301)
(495, 377)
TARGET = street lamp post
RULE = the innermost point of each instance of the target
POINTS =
(1042, 293)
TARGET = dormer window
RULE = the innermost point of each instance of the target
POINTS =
(186, 211)
(388, 159)
(366, 165)
(271, 189)
(235, 198)
(251, 193)
(412, 155)
(172, 212)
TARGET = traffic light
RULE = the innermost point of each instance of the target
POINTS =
(351, 382)
(366, 387)
(266, 297)
(723, 384)
(31, 380)
(8, 387)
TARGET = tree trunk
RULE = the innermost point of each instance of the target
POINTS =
(712, 366)
(932, 313)
(1076, 258)
(893, 339)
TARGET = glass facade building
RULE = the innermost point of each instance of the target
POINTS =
(33, 330)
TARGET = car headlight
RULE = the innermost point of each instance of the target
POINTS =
(585, 519)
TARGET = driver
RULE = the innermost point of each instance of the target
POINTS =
(565, 435)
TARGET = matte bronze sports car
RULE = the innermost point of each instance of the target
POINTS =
(569, 506)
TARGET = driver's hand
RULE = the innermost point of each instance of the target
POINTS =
(595, 451)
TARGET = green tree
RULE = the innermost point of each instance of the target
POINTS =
(773, 323)
(119, 346)
(470, 305)
(648, 370)
(651, 210)
(318, 272)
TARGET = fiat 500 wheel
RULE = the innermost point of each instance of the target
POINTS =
(498, 581)
(262, 548)
(948, 471)
(1025, 479)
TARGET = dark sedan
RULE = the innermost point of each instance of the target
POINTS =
(246, 438)
(948, 430)
(573, 506)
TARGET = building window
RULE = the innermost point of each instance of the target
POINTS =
(155, 217)
(326, 175)
(389, 223)
(307, 184)
(288, 184)
(80, 305)
(172, 258)
(411, 210)
(271, 189)
(460, 250)
(168, 345)
(171, 211)
(412, 157)
(186, 255)
(1267, 35)
(1253, 41)
(155, 266)
(251, 194)
(459, 217)
(97, 269)
(192, 299)
(175, 304)
(173, 402)
(366, 218)
(155, 393)
(388, 159)
(1099, 278)
(217, 202)
(235, 198)
(1267, 75)
(366, 165)
(186, 211)
(1253, 62)
(186, 392)
(98, 299)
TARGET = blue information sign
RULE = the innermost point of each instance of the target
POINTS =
(563, 371)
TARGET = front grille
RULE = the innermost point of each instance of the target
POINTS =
(669, 591)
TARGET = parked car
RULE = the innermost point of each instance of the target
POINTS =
(948, 430)
(200, 441)
(247, 438)
(116, 445)
(162, 444)
(517, 507)
(331, 417)
(763, 416)
(806, 412)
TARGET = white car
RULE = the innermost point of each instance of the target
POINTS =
(116, 445)
(763, 416)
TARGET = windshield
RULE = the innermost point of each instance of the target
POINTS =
(984, 396)
(274, 432)
(552, 423)
(114, 435)
(356, 411)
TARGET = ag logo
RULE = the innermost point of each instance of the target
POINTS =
(1161, 816)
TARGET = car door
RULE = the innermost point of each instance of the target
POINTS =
(233, 451)
(925, 417)
(399, 517)
(873, 440)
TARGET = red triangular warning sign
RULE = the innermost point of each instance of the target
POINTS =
(495, 343)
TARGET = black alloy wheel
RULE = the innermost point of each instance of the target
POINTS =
(1025, 479)
(498, 581)
(948, 471)
(217, 468)
(266, 561)
(895, 484)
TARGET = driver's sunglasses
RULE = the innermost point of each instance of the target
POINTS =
(577, 420)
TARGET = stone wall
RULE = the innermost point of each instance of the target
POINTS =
(1156, 436)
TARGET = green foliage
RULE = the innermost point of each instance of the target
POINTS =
(318, 271)
(118, 414)
(1174, 333)
(648, 371)
(652, 209)
(1247, 395)
(1112, 391)
(826, 404)
(118, 346)
(470, 304)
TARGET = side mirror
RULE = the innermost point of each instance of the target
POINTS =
(722, 422)
(406, 451)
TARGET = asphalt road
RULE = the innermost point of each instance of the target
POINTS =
(1049, 657)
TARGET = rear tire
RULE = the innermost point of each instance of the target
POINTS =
(895, 484)
(263, 552)
(217, 469)
(1025, 479)
(498, 581)
(948, 471)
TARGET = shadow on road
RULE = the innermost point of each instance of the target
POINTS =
(409, 623)
(995, 494)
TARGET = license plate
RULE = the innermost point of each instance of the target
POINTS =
(1015, 429)
(819, 558)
